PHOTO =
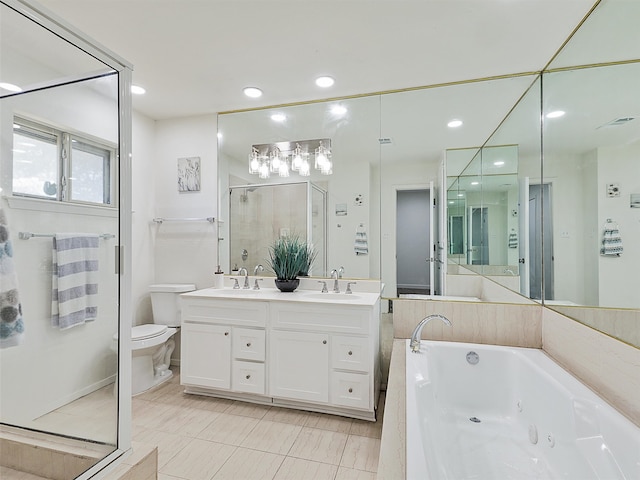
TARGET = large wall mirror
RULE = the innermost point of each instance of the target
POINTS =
(500, 216)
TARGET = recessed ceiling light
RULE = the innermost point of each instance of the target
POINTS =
(555, 114)
(499, 163)
(475, 183)
(278, 117)
(252, 92)
(10, 86)
(338, 110)
(137, 90)
(461, 194)
(325, 82)
(454, 123)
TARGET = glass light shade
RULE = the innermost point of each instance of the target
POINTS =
(263, 172)
(296, 162)
(254, 163)
(327, 168)
(283, 170)
(305, 169)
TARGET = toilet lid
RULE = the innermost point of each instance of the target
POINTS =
(149, 330)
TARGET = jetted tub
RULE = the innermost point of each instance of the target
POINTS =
(488, 412)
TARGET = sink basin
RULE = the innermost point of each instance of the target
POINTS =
(333, 297)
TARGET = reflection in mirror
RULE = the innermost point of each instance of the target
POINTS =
(335, 204)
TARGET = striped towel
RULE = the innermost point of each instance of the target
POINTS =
(11, 323)
(74, 296)
(361, 246)
(611, 242)
(513, 240)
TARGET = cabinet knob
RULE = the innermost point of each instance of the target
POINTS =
(248, 344)
(324, 342)
(351, 390)
(350, 352)
(248, 377)
(226, 334)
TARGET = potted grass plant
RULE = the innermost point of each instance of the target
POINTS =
(290, 258)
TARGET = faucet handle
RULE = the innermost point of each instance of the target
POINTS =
(348, 290)
(324, 286)
(236, 286)
(255, 285)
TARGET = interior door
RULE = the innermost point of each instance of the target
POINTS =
(415, 244)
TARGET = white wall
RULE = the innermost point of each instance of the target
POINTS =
(618, 276)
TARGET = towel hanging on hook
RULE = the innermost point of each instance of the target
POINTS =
(611, 239)
(361, 246)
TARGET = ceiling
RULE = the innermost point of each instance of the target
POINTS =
(195, 56)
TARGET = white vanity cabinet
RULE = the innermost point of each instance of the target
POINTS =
(293, 350)
(223, 345)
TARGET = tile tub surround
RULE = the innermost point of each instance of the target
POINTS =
(609, 367)
(491, 323)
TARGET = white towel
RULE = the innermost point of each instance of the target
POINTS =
(74, 285)
(11, 323)
(361, 246)
(611, 242)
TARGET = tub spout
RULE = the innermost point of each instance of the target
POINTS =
(417, 332)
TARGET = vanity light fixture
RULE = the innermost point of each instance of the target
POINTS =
(325, 81)
(252, 92)
(10, 87)
(555, 114)
(137, 90)
(281, 159)
(454, 123)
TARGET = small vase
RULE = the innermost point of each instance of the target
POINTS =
(287, 285)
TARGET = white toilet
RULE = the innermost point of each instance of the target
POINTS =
(152, 344)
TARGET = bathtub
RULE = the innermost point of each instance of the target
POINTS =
(513, 414)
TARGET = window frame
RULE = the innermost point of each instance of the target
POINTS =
(64, 159)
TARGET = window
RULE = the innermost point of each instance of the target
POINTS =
(52, 164)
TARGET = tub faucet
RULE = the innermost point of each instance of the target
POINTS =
(243, 271)
(336, 285)
(417, 332)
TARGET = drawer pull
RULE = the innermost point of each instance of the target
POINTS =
(324, 342)
(350, 352)
(351, 390)
(248, 377)
(226, 334)
(248, 344)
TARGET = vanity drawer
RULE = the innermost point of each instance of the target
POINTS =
(350, 353)
(248, 344)
(339, 318)
(222, 311)
(248, 377)
(350, 389)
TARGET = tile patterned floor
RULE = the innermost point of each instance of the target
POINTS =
(205, 438)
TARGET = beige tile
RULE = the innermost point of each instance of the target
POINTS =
(286, 415)
(164, 476)
(169, 444)
(203, 402)
(319, 445)
(361, 453)
(272, 437)
(228, 429)
(146, 413)
(250, 464)
(352, 474)
(298, 469)
(199, 460)
(332, 423)
(246, 409)
(155, 394)
(364, 428)
(7, 473)
(184, 421)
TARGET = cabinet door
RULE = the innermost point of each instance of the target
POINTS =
(299, 366)
(206, 355)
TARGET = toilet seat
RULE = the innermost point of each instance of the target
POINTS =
(149, 330)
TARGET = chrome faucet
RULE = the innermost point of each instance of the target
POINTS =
(324, 286)
(417, 332)
(259, 268)
(340, 272)
(336, 285)
(246, 277)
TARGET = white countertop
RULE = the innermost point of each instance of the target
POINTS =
(273, 294)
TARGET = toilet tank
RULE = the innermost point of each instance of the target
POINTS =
(165, 302)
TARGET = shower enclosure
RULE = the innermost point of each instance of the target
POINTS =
(65, 215)
(258, 214)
